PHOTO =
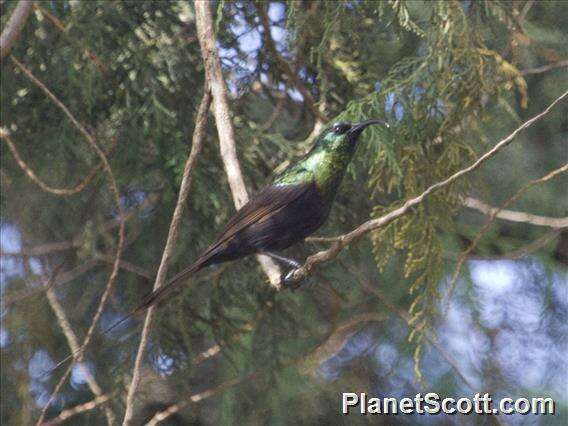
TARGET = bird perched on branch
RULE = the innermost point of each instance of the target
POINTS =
(288, 210)
(285, 212)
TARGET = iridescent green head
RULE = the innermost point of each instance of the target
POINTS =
(343, 135)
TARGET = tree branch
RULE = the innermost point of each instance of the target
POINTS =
(518, 253)
(176, 408)
(490, 218)
(5, 136)
(61, 27)
(545, 68)
(73, 343)
(225, 130)
(373, 224)
(79, 240)
(514, 216)
(197, 143)
(14, 27)
(116, 195)
(285, 66)
(78, 409)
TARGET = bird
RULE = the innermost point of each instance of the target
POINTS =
(292, 207)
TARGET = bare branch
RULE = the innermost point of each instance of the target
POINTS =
(59, 25)
(545, 68)
(514, 216)
(79, 240)
(373, 224)
(54, 393)
(5, 136)
(78, 409)
(225, 130)
(196, 146)
(285, 66)
(116, 195)
(490, 218)
(405, 316)
(520, 252)
(176, 408)
(14, 27)
(65, 277)
(73, 343)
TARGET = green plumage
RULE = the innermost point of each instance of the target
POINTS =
(324, 165)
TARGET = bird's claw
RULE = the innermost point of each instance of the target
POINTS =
(288, 280)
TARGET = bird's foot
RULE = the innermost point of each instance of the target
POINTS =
(288, 281)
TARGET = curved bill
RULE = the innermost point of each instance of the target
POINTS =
(359, 127)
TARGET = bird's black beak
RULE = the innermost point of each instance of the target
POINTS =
(358, 128)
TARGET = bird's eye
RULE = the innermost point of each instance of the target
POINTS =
(340, 128)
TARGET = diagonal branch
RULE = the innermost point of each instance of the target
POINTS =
(116, 195)
(490, 218)
(197, 143)
(195, 398)
(61, 27)
(79, 240)
(371, 225)
(520, 252)
(78, 409)
(5, 136)
(14, 27)
(545, 68)
(225, 130)
(73, 343)
(285, 66)
(513, 216)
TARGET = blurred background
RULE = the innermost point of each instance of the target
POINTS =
(448, 299)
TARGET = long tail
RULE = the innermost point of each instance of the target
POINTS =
(170, 286)
(148, 301)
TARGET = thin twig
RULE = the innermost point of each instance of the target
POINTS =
(373, 224)
(73, 343)
(405, 316)
(514, 216)
(54, 393)
(195, 398)
(78, 409)
(78, 240)
(176, 408)
(285, 66)
(5, 136)
(401, 313)
(65, 277)
(225, 130)
(62, 278)
(116, 195)
(196, 146)
(490, 218)
(518, 253)
(61, 27)
(274, 115)
(545, 68)
(14, 27)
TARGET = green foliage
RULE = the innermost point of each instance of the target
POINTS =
(446, 75)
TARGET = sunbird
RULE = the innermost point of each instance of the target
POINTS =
(292, 207)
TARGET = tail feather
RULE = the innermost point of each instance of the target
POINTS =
(170, 286)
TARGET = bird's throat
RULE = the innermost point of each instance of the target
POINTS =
(323, 167)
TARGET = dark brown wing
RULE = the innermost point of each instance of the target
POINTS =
(264, 205)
